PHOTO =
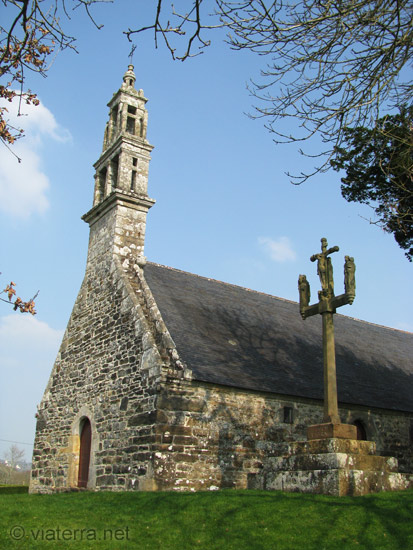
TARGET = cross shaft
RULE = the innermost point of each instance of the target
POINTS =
(326, 307)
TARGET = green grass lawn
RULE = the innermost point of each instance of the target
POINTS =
(238, 520)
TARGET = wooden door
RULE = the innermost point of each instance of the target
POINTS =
(84, 458)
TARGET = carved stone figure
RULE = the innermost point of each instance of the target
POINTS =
(324, 266)
(349, 275)
(304, 291)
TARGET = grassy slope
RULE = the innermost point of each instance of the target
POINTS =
(252, 520)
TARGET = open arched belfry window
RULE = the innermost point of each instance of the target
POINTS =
(84, 455)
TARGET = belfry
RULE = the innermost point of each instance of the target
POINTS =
(166, 380)
(121, 179)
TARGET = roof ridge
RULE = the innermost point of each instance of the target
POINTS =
(272, 296)
(223, 282)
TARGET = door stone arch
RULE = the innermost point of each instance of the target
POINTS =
(82, 468)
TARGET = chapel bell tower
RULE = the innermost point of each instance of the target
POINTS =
(121, 201)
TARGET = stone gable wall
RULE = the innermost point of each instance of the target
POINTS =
(108, 369)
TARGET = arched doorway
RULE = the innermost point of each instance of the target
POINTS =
(84, 455)
(361, 430)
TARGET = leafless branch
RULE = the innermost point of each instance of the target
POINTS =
(328, 65)
(30, 32)
(193, 22)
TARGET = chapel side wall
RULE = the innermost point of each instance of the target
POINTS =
(215, 437)
(107, 369)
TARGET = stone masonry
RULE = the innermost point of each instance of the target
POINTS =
(154, 425)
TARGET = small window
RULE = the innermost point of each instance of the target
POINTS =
(134, 162)
(130, 125)
(131, 109)
(288, 415)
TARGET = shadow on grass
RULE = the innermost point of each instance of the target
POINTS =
(13, 489)
(226, 519)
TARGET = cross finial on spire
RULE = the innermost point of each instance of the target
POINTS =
(132, 51)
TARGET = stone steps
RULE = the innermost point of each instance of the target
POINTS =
(338, 482)
(332, 445)
(331, 466)
(333, 461)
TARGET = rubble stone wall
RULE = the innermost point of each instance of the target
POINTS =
(108, 370)
(215, 437)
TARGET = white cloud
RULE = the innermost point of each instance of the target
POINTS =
(279, 250)
(24, 185)
(37, 121)
(25, 340)
(28, 348)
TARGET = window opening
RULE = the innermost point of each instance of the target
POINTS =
(131, 110)
(288, 415)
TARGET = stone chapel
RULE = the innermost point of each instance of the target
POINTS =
(166, 380)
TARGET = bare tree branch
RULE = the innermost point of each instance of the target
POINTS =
(30, 32)
(194, 20)
(328, 64)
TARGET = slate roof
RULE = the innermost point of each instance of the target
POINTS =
(237, 337)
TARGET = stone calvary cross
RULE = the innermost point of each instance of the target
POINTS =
(326, 306)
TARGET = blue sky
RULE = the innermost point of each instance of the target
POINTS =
(225, 208)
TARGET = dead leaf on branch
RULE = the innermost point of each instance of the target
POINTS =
(18, 304)
(9, 290)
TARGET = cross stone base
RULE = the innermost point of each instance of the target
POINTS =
(332, 466)
(330, 430)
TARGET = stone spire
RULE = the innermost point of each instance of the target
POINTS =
(121, 178)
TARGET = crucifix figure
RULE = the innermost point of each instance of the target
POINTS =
(326, 306)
